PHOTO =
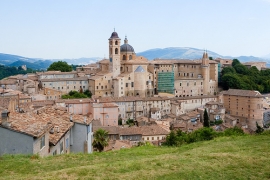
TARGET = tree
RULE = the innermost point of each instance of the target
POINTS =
(228, 70)
(205, 119)
(74, 95)
(235, 62)
(101, 139)
(241, 69)
(87, 93)
(60, 66)
(259, 129)
(231, 81)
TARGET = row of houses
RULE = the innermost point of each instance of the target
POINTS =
(44, 131)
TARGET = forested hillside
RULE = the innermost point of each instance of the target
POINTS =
(240, 77)
(6, 71)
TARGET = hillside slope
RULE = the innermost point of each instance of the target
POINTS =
(245, 157)
(35, 65)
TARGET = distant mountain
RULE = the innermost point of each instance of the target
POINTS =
(176, 53)
(79, 61)
(38, 63)
(6, 59)
(35, 65)
(266, 57)
(189, 53)
(166, 53)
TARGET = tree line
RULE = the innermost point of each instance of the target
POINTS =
(6, 71)
(240, 77)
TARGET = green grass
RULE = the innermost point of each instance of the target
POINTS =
(243, 157)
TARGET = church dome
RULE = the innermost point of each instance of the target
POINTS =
(114, 35)
(126, 47)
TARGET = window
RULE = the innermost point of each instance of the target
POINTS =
(180, 84)
(116, 50)
(132, 84)
(67, 143)
(97, 87)
(116, 42)
(42, 142)
(124, 57)
(61, 147)
(130, 57)
(126, 84)
(152, 138)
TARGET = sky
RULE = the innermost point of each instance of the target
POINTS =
(55, 29)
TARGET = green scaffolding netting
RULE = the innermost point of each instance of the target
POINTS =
(166, 82)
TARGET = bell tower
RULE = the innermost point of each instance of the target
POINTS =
(114, 54)
(205, 73)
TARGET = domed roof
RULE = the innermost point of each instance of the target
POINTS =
(114, 35)
(126, 47)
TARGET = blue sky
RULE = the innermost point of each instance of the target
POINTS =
(73, 29)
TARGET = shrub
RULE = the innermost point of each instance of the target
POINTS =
(204, 134)
(218, 122)
(266, 132)
(235, 131)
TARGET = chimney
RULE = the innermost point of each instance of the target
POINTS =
(52, 131)
(57, 129)
(70, 118)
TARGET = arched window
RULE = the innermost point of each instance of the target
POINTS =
(116, 51)
(110, 42)
(116, 42)
(130, 57)
(124, 57)
(110, 50)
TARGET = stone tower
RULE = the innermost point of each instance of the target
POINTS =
(114, 54)
(205, 73)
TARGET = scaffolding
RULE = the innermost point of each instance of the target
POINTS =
(166, 82)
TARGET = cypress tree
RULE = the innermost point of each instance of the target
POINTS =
(205, 119)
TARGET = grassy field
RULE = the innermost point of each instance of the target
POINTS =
(245, 157)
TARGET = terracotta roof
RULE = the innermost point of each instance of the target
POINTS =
(65, 79)
(96, 122)
(56, 72)
(154, 110)
(174, 61)
(74, 101)
(104, 61)
(105, 105)
(239, 92)
(144, 130)
(117, 145)
(110, 129)
(252, 63)
(8, 82)
(37, 122)
(136, 61)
